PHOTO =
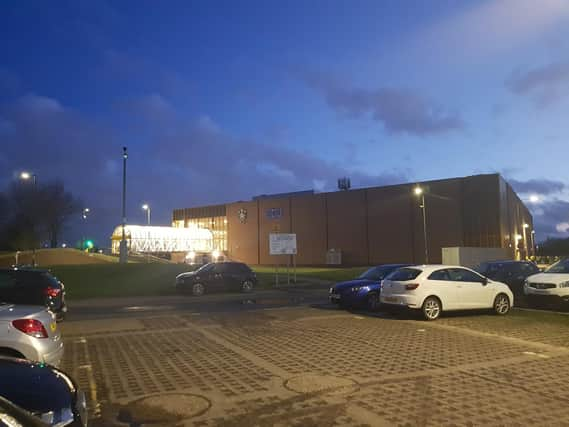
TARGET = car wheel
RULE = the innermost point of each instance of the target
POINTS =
(247, 286)
(501, 304)
(373, 302)
(198, 289)
(432, 308)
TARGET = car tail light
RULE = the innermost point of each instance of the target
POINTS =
(411, 286)
(31, 327)
(51, 292)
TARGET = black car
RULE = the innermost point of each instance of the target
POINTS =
(43, 391)
(512, 273)
(217, 276)
(31, 286)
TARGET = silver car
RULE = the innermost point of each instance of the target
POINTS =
(30, 332)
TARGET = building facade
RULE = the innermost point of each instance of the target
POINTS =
(371, 225)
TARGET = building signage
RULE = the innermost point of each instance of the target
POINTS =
(282, 244)
(274, 213)
(242, 215)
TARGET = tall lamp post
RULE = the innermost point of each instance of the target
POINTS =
(419, 192)
(526, 246)
(26, 176)
(84, 215)
(533, 243)
(123, 249)
(146, 207)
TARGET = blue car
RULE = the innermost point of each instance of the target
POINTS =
(363, 291)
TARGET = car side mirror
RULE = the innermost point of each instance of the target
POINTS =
(484, 281)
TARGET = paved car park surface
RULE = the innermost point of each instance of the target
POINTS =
(310, 364)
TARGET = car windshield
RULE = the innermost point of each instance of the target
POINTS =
(561, 266)
(376, 273)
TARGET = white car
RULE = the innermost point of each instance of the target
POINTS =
(437, 288)
(553, 282)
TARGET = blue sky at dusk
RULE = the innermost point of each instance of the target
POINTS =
(219, 101)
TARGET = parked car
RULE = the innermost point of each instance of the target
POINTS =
(30, 332)
(437, 288)
(512, 273)
(29, 286)
(44, 391)
(217, 276)
(13, 416)
(364, 290)
(552, 284)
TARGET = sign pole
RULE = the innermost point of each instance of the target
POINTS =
(294, 266)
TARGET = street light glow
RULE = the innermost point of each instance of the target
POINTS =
(86, 210)
(534, 198)
(25, 175)
(145, 207)
(526, 225)
(418, 191)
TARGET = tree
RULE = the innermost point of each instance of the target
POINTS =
(30, 214)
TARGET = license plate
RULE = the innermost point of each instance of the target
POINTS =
(390, 299)
(53, 326)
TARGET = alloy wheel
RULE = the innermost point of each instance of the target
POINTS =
(247, 286)
(502, 304)
(431, 308)
(198, 289)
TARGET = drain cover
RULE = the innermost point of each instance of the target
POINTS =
(168, 407)
(310, 383)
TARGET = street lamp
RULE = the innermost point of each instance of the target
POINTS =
(420, 193)
(26, 176)
(146, 207)
(123, 248)
(533, 242)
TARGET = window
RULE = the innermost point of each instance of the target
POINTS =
(462, 275)
(561, 266)
(404, 274)
(439, 275)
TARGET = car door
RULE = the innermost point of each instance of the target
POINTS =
(441, 285)
(471, 289)
(217, 277)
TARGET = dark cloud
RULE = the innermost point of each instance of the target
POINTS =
(399, 110)
(538, 186)
(187, 163)
(544, 85)
(551, 218)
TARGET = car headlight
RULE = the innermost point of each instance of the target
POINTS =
(356, 288)
(331, 291)
(564, 284)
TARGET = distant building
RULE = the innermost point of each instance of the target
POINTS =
(370, 225)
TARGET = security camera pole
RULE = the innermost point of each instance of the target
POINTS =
(123, 250)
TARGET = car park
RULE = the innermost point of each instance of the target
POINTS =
(30, 332)
(43, 391)
(433, 289)
(29, 286)
(364, 290)
(512, 273)
(550, 285)
(217, 276)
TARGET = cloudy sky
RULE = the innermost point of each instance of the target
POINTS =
(221, 100)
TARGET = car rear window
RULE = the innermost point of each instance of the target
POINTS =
(404, 274)
(35, 279)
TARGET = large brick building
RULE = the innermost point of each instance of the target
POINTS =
(371, 225)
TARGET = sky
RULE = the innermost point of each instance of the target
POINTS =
(219, 101)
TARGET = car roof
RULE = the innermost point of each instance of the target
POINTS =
(433, 267)
(26, 268)
(505, 261)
